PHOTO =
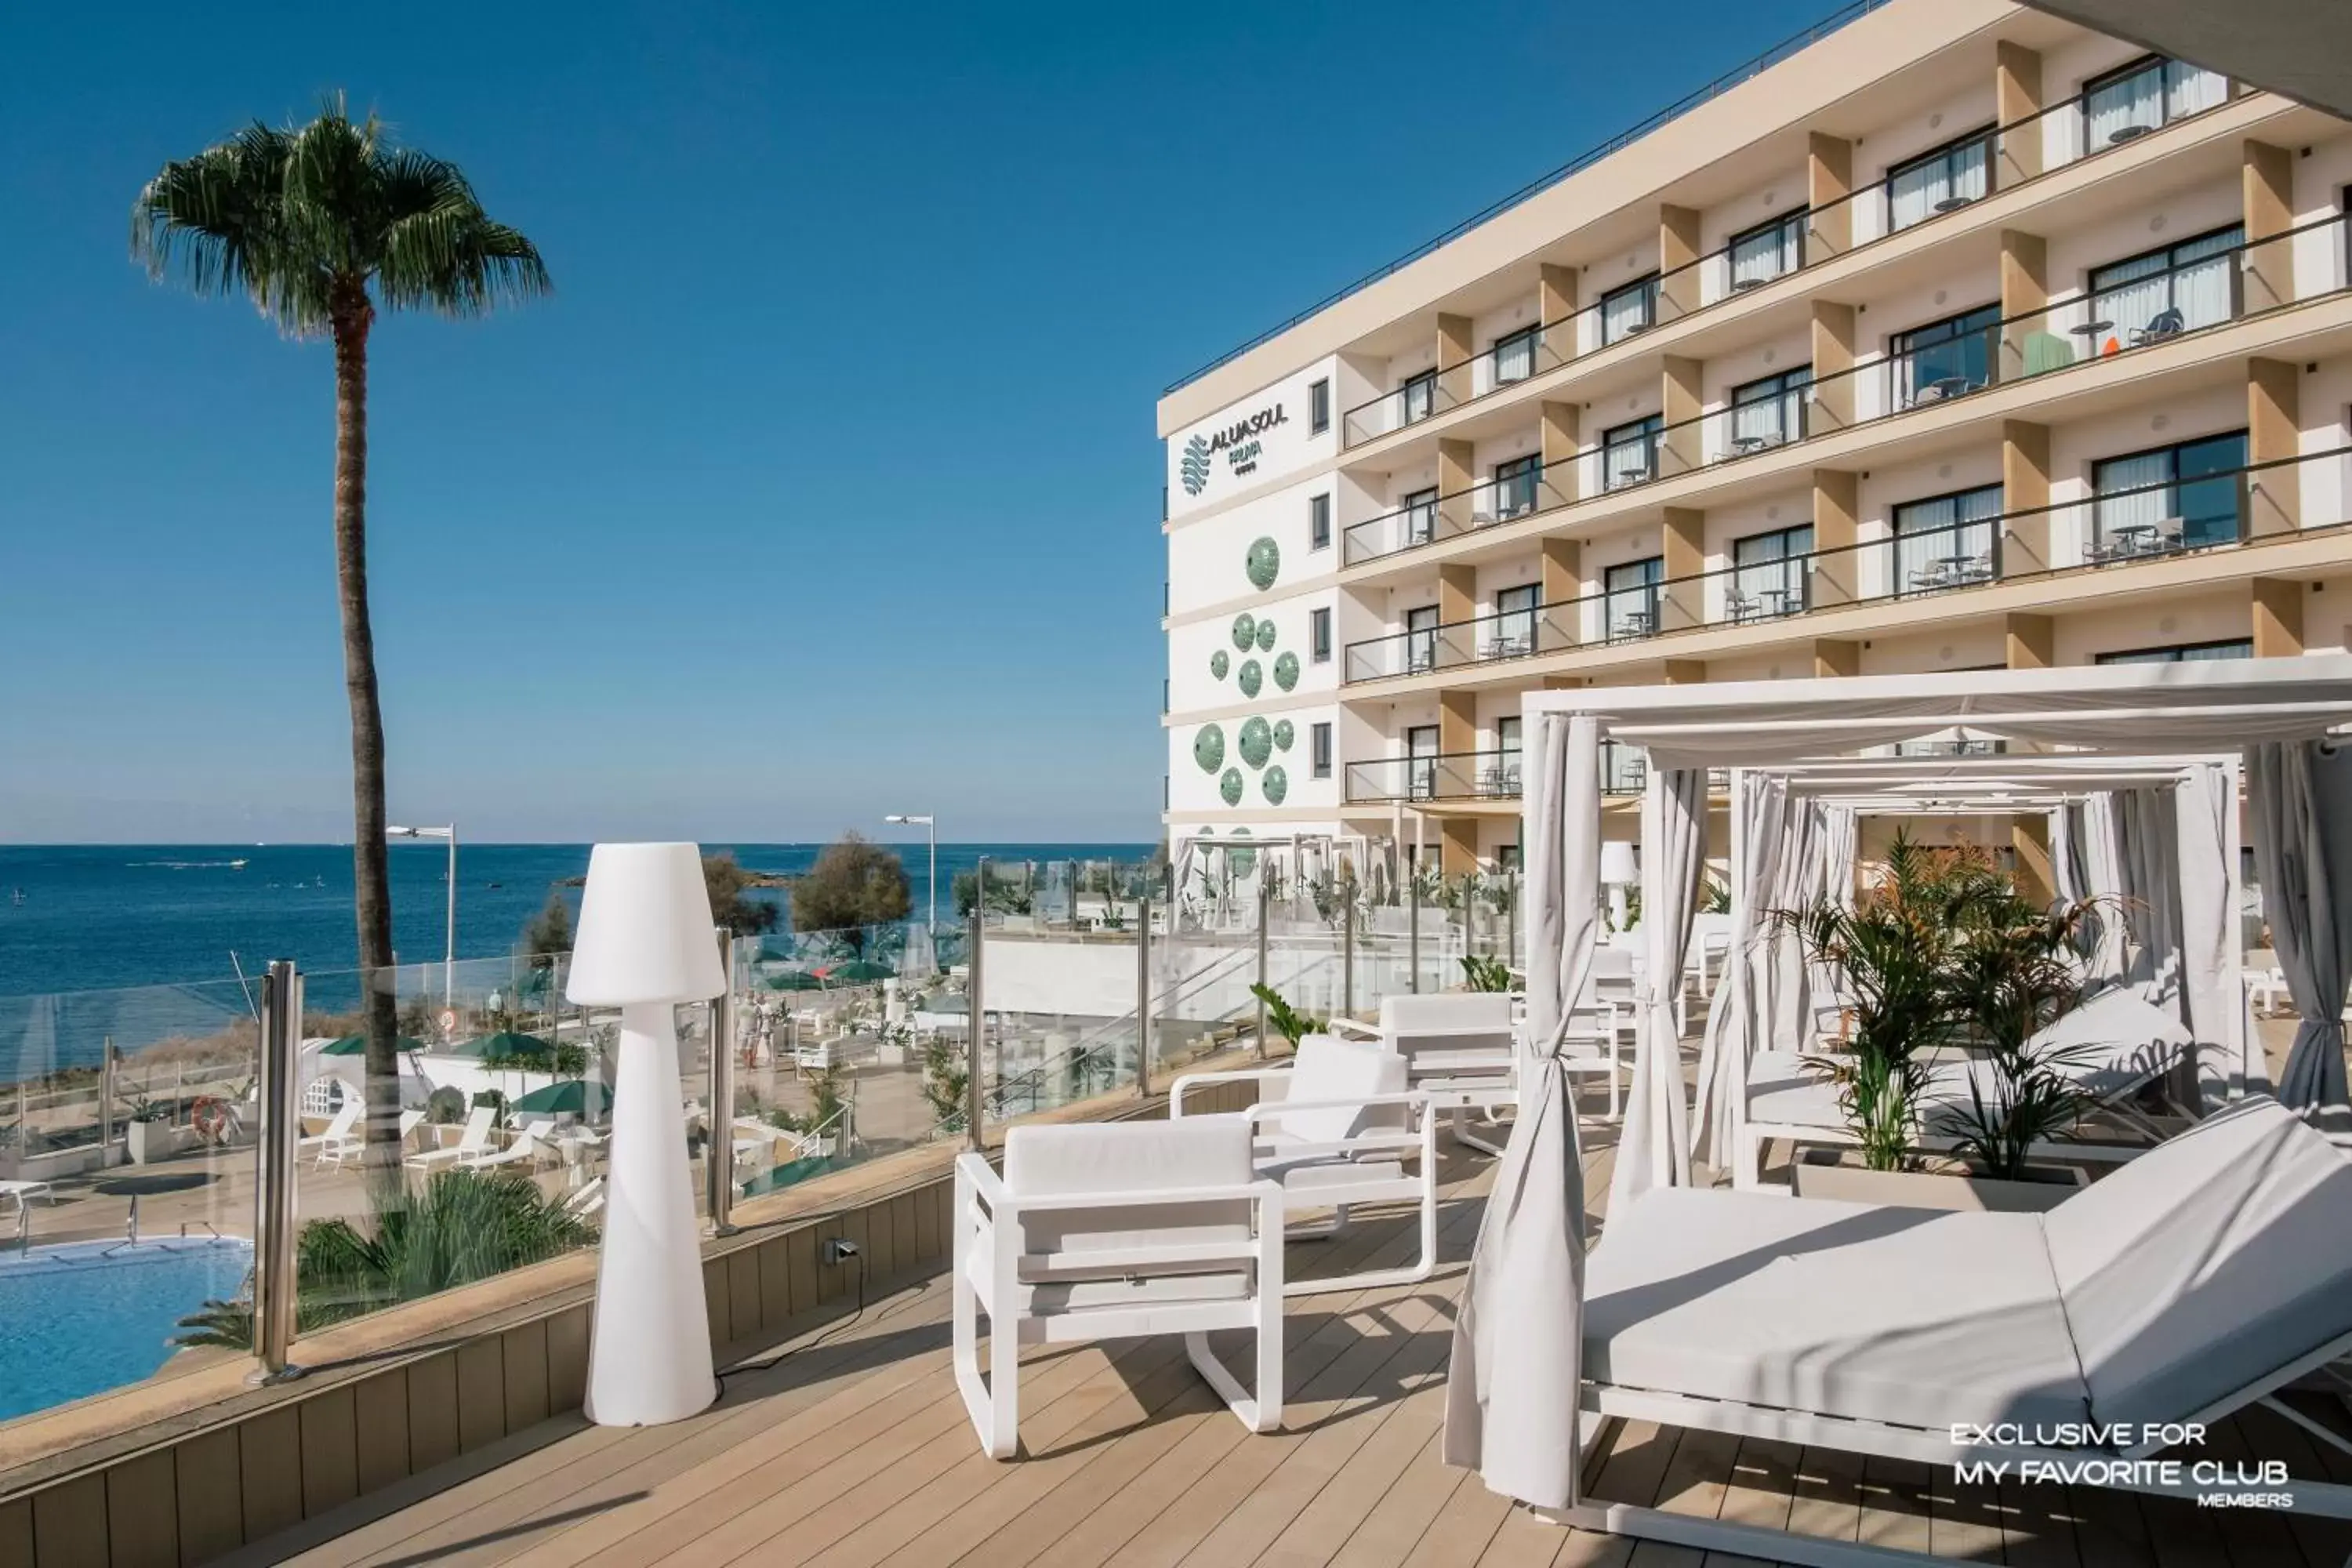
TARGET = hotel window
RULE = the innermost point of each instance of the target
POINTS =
(1630, 309)
(1515, 356)
(1318, 523)
(1421, 639)
(1771, 412)
(1318, 636)
(2176, 289)
(2183, 497)
(1517, 485)
(1420, 515)
(1768, 252)
(1419, 397)
(1944, 359)
(2180, 653)
(1948, 542)
(1769, 573)
(1420, 762)
(1949, 176)
(1515, 623)
(1318, 407)
(1630, 597)
(2143, 96)
(1629, 453)
(1503, 777)
(1318, 751)
(1624, 769)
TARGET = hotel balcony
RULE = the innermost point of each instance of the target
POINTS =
(2208, 288)
(2239, 523)
(1460, 778)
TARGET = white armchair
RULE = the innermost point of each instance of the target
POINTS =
(1116, 1231)
(1337, 1127)
(1460, 1049)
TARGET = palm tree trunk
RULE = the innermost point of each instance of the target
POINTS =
(371, 873)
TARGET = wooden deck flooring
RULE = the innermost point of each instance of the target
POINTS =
(848, 1447)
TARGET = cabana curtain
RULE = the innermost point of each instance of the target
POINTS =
(1518, 1334)
(2102, 878)
(1760, 803)
(1654, 1151)
(2301, 794)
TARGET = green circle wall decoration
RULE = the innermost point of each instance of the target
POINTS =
(1265, 635)
(1244, 630)
(1264, 563)
(1208, 748)
(1219, 662)
(1275, 783)
(1256, 742)
(1243, 858)
(1283, 734)
(1251, 677)
(1229, 787)
(1285, 671)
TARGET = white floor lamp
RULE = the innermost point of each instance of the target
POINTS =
(647, 943)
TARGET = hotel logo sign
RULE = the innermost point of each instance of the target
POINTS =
(1240, 442)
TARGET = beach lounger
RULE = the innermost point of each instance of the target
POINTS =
(2189, 1284)
(1116, 1231)
(472, 1144)
(24, 1192)
(2117, 1043)
(339, 1131)
(1336, 1128)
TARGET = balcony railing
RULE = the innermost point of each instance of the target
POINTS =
(2120, 526)
(1481, 505)
(1452, 776)
(2111, 114)
(2231, 284)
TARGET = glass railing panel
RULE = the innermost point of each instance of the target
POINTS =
(127, 1169)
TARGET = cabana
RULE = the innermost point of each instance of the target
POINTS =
(2162, 747)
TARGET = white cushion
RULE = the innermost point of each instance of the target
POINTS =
(1446, 1011)
(1909, 1316)
(2217, 1256)
(1329, 1069)
(1126, 1157)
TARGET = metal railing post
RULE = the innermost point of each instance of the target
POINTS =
(273, 1220)
(1143, 994)
(106, 1106)
(976, 1029)
(718, 1148)
(1511, 918)
(1265, 909)
(1348, 949)
(1412, 933)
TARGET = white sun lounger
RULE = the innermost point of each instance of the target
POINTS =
(24, 1192)
(339, 1131)
(2118, 1042)
(472, 1145)
(2187, 1285)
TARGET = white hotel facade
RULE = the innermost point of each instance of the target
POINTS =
(1962, 337)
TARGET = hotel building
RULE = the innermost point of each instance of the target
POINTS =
(1957, 336)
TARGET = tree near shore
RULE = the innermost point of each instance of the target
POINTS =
(854, 884)
(321, 226)
(732, 907)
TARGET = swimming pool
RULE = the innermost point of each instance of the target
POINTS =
(81, 1317)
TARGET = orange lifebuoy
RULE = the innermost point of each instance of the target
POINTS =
(208, 1114)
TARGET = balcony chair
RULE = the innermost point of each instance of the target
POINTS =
(2168, 323)
(1337, 1127)
(1116, 1231)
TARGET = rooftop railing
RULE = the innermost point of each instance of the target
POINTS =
(2229, 283)
(1944, 553)
(2111, 114)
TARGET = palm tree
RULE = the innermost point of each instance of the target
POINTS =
(321, 226)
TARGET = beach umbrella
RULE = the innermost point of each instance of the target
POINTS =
(771, 954)
(795, 980)
(568, 1098)
(510, 1045)
(860, 971)
(356, 1046)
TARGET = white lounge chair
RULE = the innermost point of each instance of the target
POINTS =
(472, 1145)
(2117, 1043)
(2187, 1285)
(1336, 1128)
(1114, 1231)
(352, 1143)
(330, 1144)
(586, 1200)
(24, 1192)
(1460, 1049)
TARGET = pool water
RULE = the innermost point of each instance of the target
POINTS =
(79, 1319)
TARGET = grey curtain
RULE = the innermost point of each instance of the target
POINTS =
(1653, 1149)
(2103, 879)
(1511, 1389)
(1761, 806)
(2213, 997)
(2301, 798)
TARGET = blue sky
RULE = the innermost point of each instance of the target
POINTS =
(825, 486)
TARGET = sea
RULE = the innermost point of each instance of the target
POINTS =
(189, 925)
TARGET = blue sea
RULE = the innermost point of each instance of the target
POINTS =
(81, 919)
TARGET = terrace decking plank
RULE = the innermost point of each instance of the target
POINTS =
(1825, 1496)
(1459, 1535)
(1895, 1504)
(2037, 1526)
(1324, 1525)
(1963, 1522)
(1394, 1524)
(2326, 1543)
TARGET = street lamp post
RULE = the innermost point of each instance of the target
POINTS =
(449, 947)
(910, 820)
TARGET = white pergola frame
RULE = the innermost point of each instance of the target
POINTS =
(2108, 726)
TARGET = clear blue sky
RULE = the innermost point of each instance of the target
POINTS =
(825, 486)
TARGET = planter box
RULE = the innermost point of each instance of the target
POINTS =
(1819, 1175)
(147, 1141)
